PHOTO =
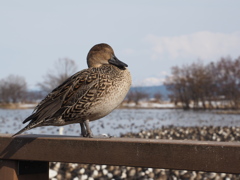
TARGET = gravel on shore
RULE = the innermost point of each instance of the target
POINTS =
(74, 171)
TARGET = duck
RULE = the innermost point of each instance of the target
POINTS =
(87, 95)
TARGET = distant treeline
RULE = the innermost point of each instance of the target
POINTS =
(214, 85)
(14, 89)
(211, 86)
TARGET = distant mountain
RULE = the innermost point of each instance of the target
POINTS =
(151, 90)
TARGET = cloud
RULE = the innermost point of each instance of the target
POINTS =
(154, 80)
(203, 45)
(151, 81)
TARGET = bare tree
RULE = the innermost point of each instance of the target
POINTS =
(227, 78)
(13, 89)
(63, 69)
(158, 96)
(179, 86)
(135, 95)
(191, 83)
(218, 81)
(200, 81)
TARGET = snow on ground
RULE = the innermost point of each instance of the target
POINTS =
(150, 105)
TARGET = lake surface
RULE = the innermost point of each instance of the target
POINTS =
(122, 121)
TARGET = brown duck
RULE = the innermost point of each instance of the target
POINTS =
(86, 96)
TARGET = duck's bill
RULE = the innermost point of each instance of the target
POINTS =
(116, 62)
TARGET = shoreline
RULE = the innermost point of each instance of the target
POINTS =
(18, 106)
(13, 106)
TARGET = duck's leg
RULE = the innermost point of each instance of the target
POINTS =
(89, 132)
(83, 130)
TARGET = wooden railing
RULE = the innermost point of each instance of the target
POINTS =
(27, 156)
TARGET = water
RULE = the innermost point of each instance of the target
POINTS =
(122, 121)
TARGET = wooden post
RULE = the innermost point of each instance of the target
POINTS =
(8, 169)
(23, 170)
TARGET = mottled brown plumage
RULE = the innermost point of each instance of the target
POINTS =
(87, 95)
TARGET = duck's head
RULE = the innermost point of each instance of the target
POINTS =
(101, 54)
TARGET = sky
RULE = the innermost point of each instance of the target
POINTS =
(149, 36)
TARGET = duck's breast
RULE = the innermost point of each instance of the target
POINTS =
(112, 89)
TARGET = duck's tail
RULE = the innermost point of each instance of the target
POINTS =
(31, 125)
(21, 131)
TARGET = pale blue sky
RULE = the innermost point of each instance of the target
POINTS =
(150, 36)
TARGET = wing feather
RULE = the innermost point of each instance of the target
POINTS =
(64, 95)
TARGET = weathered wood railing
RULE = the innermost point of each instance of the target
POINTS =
(27, 156)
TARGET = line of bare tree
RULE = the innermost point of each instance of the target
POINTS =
(13, 88)
(215, 85)
(63, 69)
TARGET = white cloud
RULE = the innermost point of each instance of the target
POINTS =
(154, 80)
(203, 45)
(151, 81)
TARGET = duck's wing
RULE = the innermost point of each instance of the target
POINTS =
(61, 96)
